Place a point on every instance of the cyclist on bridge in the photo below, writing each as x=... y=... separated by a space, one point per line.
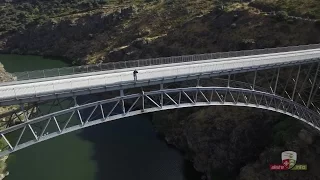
x=135 y=72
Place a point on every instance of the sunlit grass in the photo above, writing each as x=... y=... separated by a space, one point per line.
x=307 y=8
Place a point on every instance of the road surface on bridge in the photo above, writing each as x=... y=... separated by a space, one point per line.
x=14 y=91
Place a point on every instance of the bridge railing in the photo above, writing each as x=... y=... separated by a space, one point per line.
x=154 y=61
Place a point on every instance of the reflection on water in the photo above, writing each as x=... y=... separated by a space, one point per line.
x=129 y=149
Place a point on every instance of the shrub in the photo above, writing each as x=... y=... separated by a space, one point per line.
x=282 y=15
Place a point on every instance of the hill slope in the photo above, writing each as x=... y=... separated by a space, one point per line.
x=116 y=31
x=86 y=31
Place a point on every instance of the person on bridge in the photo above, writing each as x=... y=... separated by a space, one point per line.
x=135 y=72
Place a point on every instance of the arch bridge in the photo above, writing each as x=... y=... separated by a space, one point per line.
x=284 y=80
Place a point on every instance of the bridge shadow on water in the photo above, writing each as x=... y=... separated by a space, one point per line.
x=129 y=148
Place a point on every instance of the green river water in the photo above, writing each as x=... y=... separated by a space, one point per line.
x=126 y=149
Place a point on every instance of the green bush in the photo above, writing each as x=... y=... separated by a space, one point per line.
x=282 y=15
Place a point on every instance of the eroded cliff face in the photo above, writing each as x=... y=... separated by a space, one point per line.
x=239 y=143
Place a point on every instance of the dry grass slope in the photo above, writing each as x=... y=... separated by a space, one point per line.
x=305 y=8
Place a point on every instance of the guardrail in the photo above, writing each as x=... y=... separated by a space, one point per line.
x=154 y=61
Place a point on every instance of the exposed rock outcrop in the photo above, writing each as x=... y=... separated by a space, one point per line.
x=4 y=76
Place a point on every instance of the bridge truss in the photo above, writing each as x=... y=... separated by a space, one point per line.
x=290 y=89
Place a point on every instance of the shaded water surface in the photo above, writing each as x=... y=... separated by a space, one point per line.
x=120 y=150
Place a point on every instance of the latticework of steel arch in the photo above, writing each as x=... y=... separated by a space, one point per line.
x=290 y=90
x=147 y=102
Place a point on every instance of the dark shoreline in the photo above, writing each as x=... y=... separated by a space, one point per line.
x=47 y=57
x=189 y=171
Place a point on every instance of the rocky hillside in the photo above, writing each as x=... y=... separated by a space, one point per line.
x=239 y=143
x=88 y=36
x=306 y=8
x=228 y=143
x=117 y=31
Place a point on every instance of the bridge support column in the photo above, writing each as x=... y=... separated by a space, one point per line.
x=142 y=97
x=161 y=96
x=195 y=97
x=24 y=112
x=303 y=85
x=295 y=84
x=276 y=84
x=122 y=102
x=313 y=83
x=286 y=85
x=75 y=100
x=198 y=81
x=254 y=79
x=179 y=98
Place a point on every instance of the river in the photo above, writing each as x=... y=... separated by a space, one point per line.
x=124 y=149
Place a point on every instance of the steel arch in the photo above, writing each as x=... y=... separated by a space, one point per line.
x=167 y=99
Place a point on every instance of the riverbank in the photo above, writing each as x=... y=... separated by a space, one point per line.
x=4 y=77
x=177 y=28
x=239 y=143
x=128 y=145
x=236 y=143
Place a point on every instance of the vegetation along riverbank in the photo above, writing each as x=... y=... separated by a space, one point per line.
x=233 y=143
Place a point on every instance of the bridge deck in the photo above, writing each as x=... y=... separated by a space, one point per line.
x=33 y=89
